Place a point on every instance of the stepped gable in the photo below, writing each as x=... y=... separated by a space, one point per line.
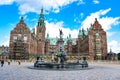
x=96 y=25
x=21 y=27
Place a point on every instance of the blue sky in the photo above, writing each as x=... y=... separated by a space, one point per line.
x=68 y=15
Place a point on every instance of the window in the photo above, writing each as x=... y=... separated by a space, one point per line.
x=19 y=36
x=14 y=38
x=25 y=38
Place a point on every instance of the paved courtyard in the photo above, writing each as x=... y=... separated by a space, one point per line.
x=101 y=71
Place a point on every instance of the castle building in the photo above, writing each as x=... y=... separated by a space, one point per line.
x=111 y=55
x=91 y=43
x=4 y=52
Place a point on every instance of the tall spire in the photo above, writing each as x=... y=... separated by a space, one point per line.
x=41 y=19
x=110 y=49
x=47 y=35
x=42 y=11
x=83 y=32
x=80 y=33
x=41 y=15
x=69 y=37
x=47 y=38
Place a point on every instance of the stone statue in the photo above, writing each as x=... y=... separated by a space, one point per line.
x=61 y=33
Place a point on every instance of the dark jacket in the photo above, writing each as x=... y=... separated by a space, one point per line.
x=2 y=61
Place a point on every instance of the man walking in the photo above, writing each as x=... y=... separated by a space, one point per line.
x=2 y=63
x=8 y=62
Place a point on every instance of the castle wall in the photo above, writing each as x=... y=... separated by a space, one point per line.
x=91 y=44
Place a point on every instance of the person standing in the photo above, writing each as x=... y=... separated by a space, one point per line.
x=2 y=63
x=19 y=62
x=8 y=62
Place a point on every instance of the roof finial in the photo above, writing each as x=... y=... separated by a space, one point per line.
x=91 y=24
x=95 y=19
x=110 y=49
x=42 y=10
x=21 y=20
x=70 y=36
x=47 y=35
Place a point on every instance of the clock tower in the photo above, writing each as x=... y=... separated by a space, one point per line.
x=41 y=27
x=40 y=34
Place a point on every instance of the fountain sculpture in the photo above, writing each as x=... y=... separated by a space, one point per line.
x=61 y=62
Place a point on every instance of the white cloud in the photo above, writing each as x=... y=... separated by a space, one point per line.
x=96 y=1
x=81 y=15
x=109 y=34
x=5 y=43
x=53 y=30
x=6 y=2
x=78 y=18
x=106 y=22
x=33 y=20
x=26 y=6
x=80 y=2
x=115 y=46
x=24 y=17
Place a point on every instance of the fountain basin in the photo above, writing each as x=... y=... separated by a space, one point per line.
x=57 y=66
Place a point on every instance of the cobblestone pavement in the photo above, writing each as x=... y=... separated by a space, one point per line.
x=97 y=72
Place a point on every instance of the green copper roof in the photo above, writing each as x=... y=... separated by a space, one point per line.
x=80 y=33
x=69 y=38
x=33 y=30
x=90 y=28
x=83 y=32
x=54 y=40
x=41 y=19
x=86 y=32
x=47 y=38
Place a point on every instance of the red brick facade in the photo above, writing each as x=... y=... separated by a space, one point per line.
x=94 y=45
x=91 y=43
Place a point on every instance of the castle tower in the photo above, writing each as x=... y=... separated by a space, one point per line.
x=97 y=41
x=69 y=43
x=41 y=27
x=41 y=34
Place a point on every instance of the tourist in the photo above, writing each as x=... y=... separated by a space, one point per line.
x=19 y=62
x=8 y=62
x=2 y=63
